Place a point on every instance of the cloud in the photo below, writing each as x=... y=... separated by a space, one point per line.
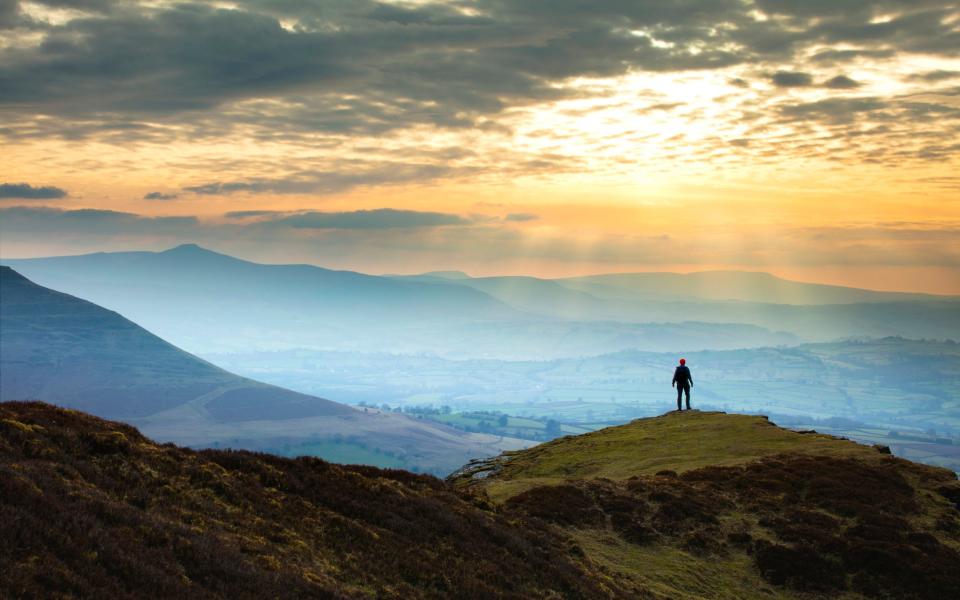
x=841 y=82
x=28 y=221
x=159 y=196
x=26 y=191
x=520 y=217
x=840 y=56
x=381 y=218
x=248 y=214
x=342 y=176
x=835 y=110
x=787 y=79
x=363 y=67
x=934 y=76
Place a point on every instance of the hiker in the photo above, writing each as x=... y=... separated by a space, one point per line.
x=683 y=381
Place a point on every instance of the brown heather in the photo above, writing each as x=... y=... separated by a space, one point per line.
x=90 y=508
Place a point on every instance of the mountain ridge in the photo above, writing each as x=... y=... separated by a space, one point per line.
x=210 y=303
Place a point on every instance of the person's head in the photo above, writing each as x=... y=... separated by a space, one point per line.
x=683 y=361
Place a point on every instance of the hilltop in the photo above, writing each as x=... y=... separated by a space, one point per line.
x=691 y=505
x=92 y=508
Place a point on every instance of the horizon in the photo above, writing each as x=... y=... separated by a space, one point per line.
x=545 y=139
x=475 y=276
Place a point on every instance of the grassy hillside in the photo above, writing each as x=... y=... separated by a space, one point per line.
x=91 y=508
x=675 y=442
x=709 y=505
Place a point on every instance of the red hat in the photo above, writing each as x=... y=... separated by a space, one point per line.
x=683 y=361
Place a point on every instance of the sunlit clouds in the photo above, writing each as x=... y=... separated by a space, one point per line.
x=769 y=135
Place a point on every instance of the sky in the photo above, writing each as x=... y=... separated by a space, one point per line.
x=817 y=140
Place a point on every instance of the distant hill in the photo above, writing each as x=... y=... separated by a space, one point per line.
x=205 y=300
x=744 y=286
x=811 y=312
x=681 y=506
x=208 y=302
x=709 y=505
x=76 y=354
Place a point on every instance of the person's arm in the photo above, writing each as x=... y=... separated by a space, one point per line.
x=674 y=382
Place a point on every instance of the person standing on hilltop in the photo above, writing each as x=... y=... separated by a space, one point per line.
x=683 y=381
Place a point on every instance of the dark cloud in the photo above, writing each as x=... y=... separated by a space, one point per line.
x=839 y=56
x=521 y=217
x=28 y=192
x=934 y=76
x=345 y=176
x=159 y=196
x=25 y=220
x=248 y=214
x=358 y=66
x=9 y=13
x=841 y=82
x=791 y=79
x=835 y=110
x=381 y=218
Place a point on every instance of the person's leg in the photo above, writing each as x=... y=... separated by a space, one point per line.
x=679 y=395
x=686 y=390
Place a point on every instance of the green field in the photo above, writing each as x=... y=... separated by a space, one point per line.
x=343 y=453
x=892 y=384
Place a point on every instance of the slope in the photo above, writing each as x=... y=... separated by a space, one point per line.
x=77 y=354
x=93 y=509
x=74 y=353
x=691 y=505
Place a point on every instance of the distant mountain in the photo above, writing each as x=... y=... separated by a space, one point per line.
x=710 y=505
x=812 y=312
x=65 y=350
x=693 y=505
x=743 y=286
x=210 y=303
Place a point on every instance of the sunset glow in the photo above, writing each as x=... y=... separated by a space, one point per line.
x=504 y=137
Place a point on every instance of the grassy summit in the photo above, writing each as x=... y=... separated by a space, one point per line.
x=710 y=505
x=675 y=441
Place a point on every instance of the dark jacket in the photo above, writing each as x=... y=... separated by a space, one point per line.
x=682 y=376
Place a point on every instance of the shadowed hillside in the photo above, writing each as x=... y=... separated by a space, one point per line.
x=61 y=349
x=730 y=506
x=91 y=508
x=77 y=354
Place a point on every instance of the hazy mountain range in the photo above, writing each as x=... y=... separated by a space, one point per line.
x=61 y=349
x=210 y=302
